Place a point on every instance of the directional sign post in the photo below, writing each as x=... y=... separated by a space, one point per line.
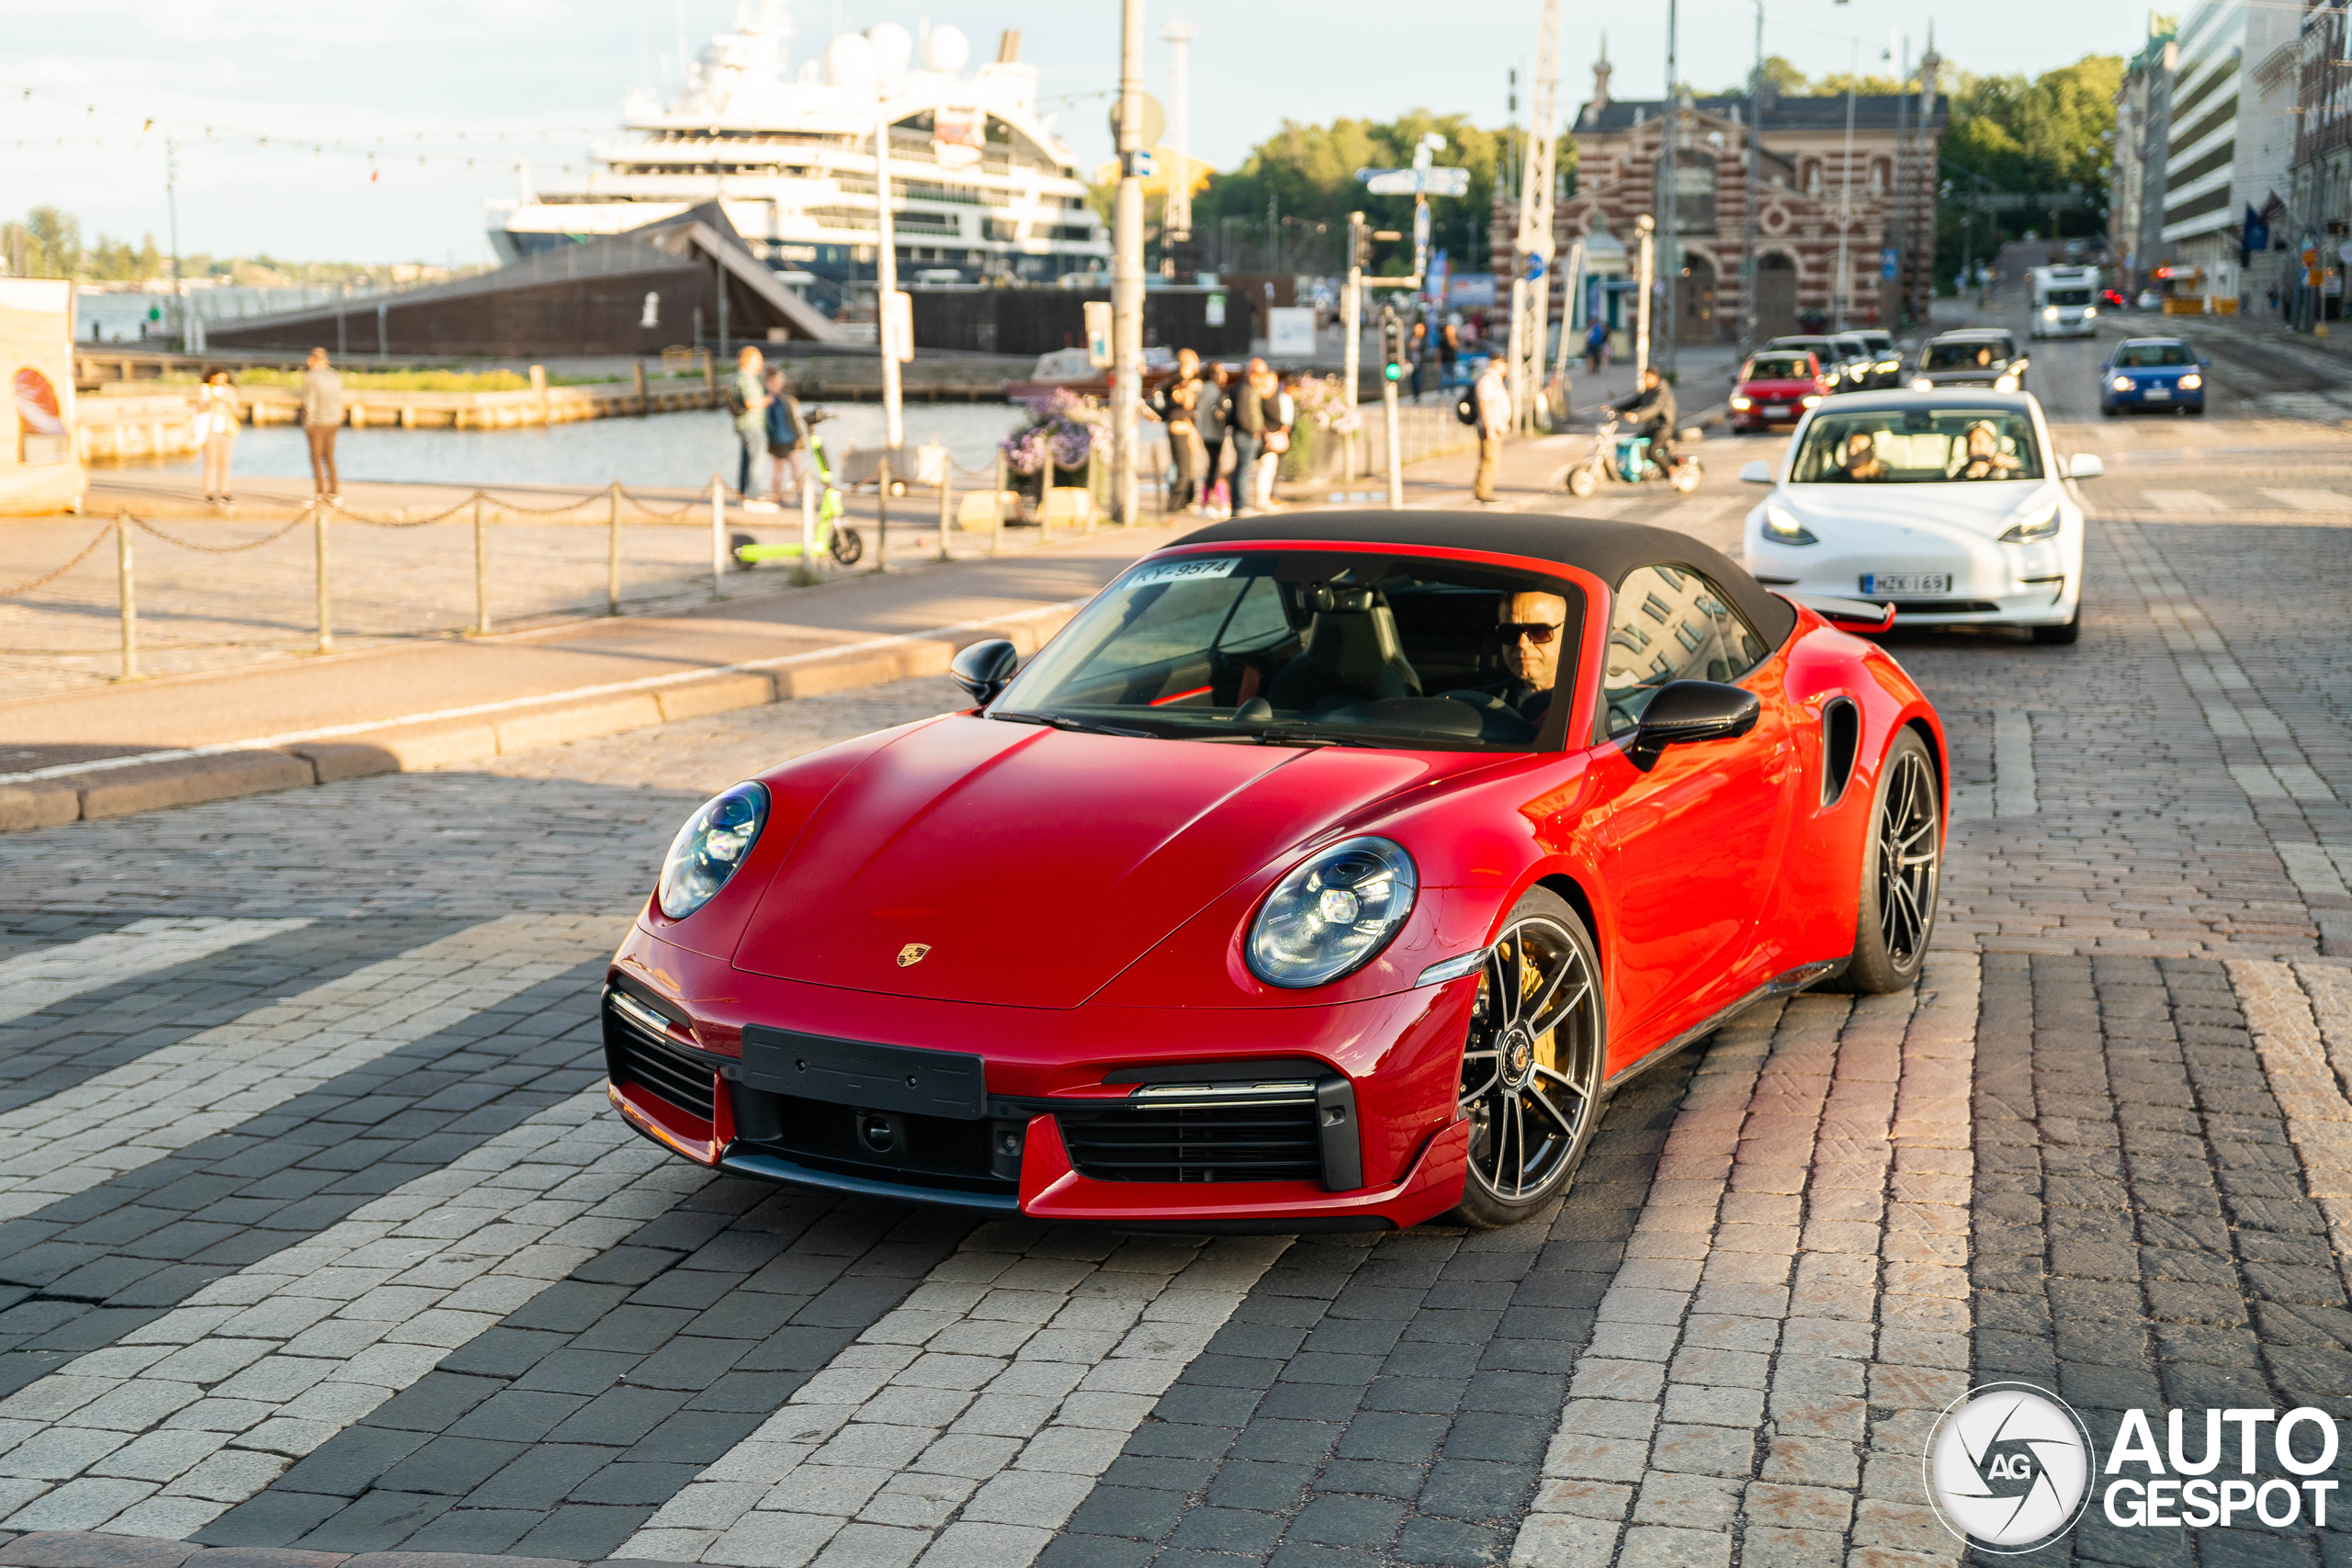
x=1416 y=182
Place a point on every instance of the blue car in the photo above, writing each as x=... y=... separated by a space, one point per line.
x=2153 y=373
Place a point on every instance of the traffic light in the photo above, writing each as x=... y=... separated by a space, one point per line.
x=1392 y=346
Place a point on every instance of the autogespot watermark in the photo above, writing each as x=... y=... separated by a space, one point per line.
x=2010 y=1468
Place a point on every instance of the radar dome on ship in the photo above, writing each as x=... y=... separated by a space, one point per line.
x=894 y=50
x=849 y=62
x=946 y=49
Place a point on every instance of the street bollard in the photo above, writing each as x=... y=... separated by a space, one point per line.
x=718 y=537
x=481 y=571
x=882 y=514
x=127 y=597
x=996 y=508
x=318 y=541
x=1093 y=479
x=808 y=528
x=613 y=548
x=947 y=499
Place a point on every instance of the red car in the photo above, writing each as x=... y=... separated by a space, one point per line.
x=1776 y=387
x=1323 y=873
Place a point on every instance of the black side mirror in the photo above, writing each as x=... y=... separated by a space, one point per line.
x=1691 y=711
x=984 y=669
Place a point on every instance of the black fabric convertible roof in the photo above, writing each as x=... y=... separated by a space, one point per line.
x=1607 y=550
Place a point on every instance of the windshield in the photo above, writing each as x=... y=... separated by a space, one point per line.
x=1799 y=345
x=1966 y=357
x=1301 y=646
x=2067 y=297
x=2146 y=356
x=1778 y=368
x=1919 y=446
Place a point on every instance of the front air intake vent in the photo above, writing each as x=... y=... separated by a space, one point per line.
x=1258 y=1138
x=1841 y=741
x=637 y=1059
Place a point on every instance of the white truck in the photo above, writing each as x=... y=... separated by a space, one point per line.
x=2065 y=300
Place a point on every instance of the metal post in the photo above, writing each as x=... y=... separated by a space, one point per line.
x=996 y=507
x=885 y=283
x=718 y=535
x=1753 y=194
x=637 y=371
x=481 y=571
x=1127 y=276
x=318 y=541
x=127 y=597
x=1351 y=318
x=1093 y=481
x=947 y=499
x=1841 y=294
x=612 y=550
x=882 y=514
x=1645 y=225
x=1669 y=265
x=1395 y=457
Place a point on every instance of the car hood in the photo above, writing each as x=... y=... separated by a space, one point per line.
x=1978 y=510
x=1031 y=864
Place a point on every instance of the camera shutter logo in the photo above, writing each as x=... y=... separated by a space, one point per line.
x=2008 y=1467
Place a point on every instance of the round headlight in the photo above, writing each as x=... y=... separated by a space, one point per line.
x=1332 y=913
x=709 y=848
x=1921 y=384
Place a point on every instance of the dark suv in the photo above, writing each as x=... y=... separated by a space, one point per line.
x=1971 y=356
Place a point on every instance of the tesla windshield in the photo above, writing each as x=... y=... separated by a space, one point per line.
x=2150 y=356
x=1919 y=446
x=1314 y=647
x=1976 y=356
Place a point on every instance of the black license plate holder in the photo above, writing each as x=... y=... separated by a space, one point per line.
x=873 y=1078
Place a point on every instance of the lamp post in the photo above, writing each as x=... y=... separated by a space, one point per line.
x=1127 y=267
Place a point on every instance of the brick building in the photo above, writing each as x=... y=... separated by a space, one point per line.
x=1884 y=196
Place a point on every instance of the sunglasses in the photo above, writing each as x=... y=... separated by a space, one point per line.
x=1537 y=632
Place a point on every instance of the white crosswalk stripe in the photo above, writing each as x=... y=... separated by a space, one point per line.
x=972 y=1419
x=2310 y=500
x=181 y=1420
x=2190 y=503
x=48 y=976
x=180 y=1094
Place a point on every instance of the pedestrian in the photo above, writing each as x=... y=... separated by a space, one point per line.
x=1596 y=345
x=1449 y=352
x=787 y=437
x=747 y=403
x=1177 y=402
x=1416 y=349
x=321 y=417
x=2274 y=299
x=1213 y=416
x=1249 y=435
x=1493 y=400
x=216 y=432
x=1281 y=411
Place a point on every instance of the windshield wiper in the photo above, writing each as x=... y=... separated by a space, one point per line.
x=1075 y=726
x=1280 y=735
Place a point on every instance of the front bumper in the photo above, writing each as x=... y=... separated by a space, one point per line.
x=2138 y=397
x=1344 y=1117
x=1991 y=584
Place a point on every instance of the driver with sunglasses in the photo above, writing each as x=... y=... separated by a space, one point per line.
x=1528 y=628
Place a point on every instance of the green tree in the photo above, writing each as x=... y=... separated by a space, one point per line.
x=2015 y=133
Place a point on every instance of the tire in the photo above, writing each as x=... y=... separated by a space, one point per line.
x=1533 y=1098
x=849 y=545
x=2108 y=409
x=2062 y=636
x=1583 y=480
x=1897 y=915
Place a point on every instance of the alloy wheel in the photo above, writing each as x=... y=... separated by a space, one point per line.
x=1531 y=1072
x=1909 y=851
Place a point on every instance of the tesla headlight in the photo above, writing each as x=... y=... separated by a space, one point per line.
x=2190 y=382
x=1332 y=913
x=1743 y=402
x=2121 y=383
x=1783 y=529
x=2033 y=532
x=1921 y=384
x=709 y=848
x=2005 y=384
x=2049 y=312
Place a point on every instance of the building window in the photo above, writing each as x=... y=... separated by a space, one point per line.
x=1694 y=194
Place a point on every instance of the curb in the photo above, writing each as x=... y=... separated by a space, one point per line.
x=90 y=792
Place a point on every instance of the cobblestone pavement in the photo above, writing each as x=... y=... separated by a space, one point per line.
x=313 y=1234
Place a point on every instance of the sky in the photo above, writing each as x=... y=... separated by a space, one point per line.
x=499 y=81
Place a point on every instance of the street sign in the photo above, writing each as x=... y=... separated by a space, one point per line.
x=1534 y=268
x=1415 y=182
x=1154 y=120
x=1142 y=165
x=1421 y=228
x=1887 y=260
x=1097 y=334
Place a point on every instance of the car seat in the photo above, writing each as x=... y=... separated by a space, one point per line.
x=1353 y=654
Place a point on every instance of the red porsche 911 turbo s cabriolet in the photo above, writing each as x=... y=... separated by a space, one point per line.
x=1325 y=872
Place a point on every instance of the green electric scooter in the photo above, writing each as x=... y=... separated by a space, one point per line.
x=844 y=543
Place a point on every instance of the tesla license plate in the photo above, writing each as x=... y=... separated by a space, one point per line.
x=1901 y=582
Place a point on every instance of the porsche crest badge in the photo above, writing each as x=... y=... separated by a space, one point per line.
x=914 y=952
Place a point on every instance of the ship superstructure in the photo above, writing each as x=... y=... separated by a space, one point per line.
x=981 y=187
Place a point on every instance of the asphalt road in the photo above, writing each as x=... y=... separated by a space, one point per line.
x=315 y=1233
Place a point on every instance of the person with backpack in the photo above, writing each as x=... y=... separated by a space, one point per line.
x=787 y=435
x=747 y=405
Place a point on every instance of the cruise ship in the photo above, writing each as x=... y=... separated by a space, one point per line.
x=981 y=188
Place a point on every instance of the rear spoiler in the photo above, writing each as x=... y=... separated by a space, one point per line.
x=1847 y=615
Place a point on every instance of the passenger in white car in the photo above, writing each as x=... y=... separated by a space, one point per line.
x=1983 y=459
